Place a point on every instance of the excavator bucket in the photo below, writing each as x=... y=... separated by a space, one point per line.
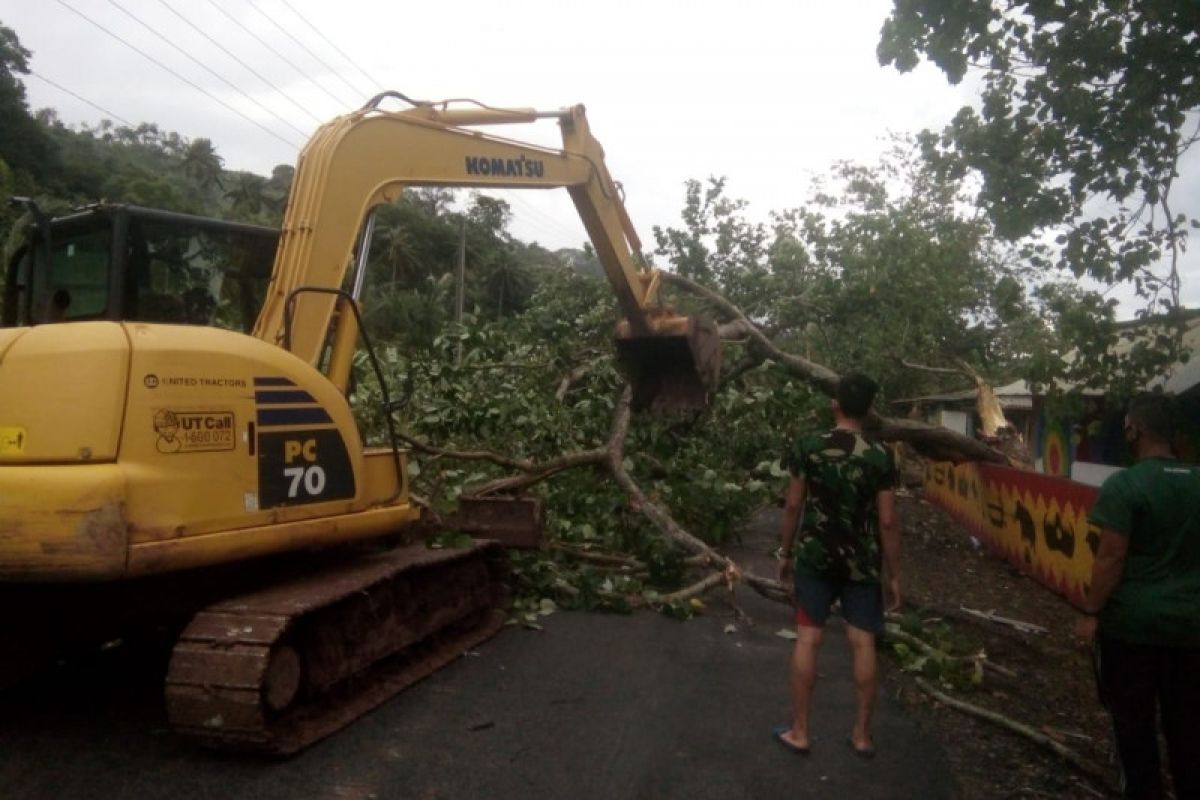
x=672 y=367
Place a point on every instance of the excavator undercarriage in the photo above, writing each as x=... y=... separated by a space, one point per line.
x=277 y=669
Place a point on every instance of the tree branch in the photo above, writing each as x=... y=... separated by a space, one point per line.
x=523 y=465
x=1087 y=767
x=603 y=559
x=932 y=440
x=540 y=472
x=700 y=587
x=821 y=376
x=574 y=375
x=752 y=361
x=894 y=631
x=925 y=368
x=610 y=457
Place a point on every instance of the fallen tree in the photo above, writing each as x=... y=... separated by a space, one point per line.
x=610 y=457
x=931 y=440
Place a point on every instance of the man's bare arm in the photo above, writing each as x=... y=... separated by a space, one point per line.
x=1106 y=570
x=793 y=507
x=889 y=540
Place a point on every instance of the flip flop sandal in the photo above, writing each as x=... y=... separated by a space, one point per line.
x=777 y=735
x=863 y=752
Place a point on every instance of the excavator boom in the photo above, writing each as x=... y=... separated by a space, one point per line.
x=366 y=158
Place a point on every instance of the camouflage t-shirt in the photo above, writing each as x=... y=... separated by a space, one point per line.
x=839 y=528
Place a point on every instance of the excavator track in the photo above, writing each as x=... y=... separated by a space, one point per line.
x=275 y=670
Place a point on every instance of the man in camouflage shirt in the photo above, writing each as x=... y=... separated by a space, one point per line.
x=842 y=496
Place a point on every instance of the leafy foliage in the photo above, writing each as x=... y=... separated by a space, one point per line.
x=945 y=658
x=24 y=147
x=500 y=395
x=879 y=264
x=885 y=263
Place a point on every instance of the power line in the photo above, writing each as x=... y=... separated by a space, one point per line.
x=371 y=81
x=163 y=66
x=556 y=227
x=251 y=69
x=278 y=54
x=205 y=67
x=303 y=46
x=82 y=99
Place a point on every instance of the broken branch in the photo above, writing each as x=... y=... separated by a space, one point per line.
x=930 y=438
x=896 y=632
x=700 y=587
x=574 y=375
x=991 y=616
x=607 y=559
x=1087 y=767
x=924 y=368
x=540 y=472
x=523 y=465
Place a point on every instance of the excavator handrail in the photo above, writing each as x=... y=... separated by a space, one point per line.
x=393 y=437
x=517 y=114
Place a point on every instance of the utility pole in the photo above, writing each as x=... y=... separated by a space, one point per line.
x=460 y=289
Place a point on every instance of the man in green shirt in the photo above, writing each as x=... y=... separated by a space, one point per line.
x=842 y=486
x=1143 y=605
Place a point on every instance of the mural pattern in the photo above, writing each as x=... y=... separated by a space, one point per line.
x=1036 y=522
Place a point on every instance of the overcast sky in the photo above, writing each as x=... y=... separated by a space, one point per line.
x=767 y=94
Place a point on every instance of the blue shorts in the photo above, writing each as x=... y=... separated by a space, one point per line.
x=862 y=603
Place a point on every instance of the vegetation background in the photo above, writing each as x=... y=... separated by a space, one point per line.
x=961 y=246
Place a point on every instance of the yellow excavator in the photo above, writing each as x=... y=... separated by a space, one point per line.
x=175 y=434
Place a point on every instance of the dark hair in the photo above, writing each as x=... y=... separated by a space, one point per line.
x=855 y=393
x=1155 y=414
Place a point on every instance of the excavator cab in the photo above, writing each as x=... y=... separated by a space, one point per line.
x=128 y=263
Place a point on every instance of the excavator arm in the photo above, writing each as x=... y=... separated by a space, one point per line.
x=366 y=158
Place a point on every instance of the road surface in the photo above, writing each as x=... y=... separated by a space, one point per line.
x=593 y=706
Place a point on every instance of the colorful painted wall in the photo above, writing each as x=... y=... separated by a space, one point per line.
x=1096 y=435
x=1036 y=522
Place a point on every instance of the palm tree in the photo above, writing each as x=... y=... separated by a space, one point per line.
x=248 y=194
x=202 y=164
x=508 y=284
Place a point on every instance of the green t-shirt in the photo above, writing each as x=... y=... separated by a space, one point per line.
x=1156 y=503
x=839 y=531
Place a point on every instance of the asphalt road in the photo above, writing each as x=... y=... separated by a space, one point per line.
x=593 y=706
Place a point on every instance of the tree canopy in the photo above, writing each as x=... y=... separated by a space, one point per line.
x=880 y=264
x=929 y=255
x=1086 y=110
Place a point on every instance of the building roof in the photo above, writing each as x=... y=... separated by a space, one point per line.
x=1015 y=395
x=1181 y=378
x=1184 y=377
